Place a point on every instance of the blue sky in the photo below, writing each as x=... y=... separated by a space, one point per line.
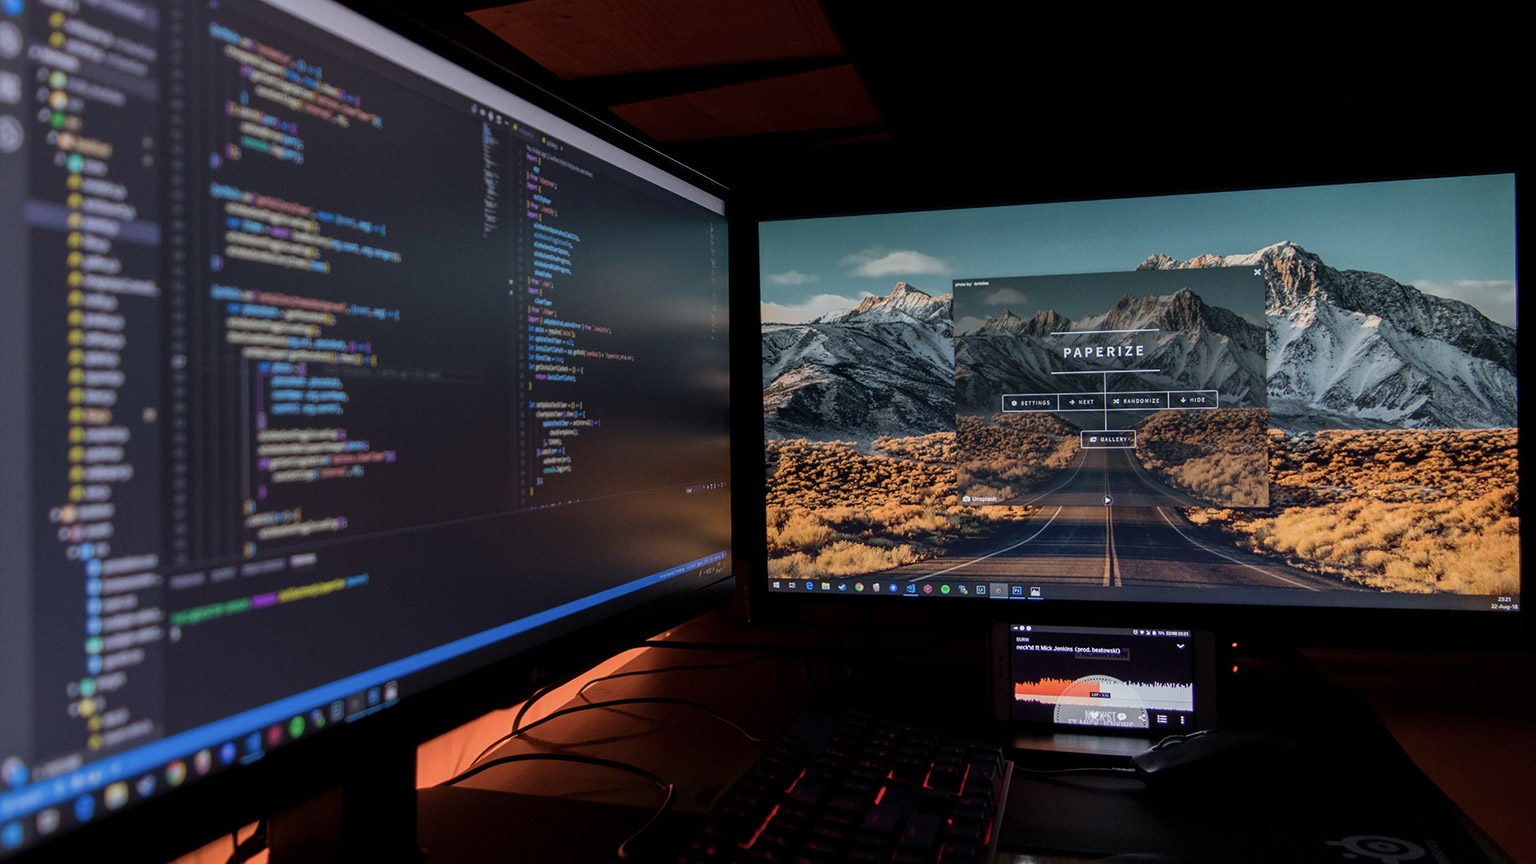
x=1452 y=237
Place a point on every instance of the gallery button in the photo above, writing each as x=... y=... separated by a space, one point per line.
x=1109 y=439
x=1029 y=402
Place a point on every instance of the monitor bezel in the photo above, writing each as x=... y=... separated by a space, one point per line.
x=496 y=676
x=867 y=189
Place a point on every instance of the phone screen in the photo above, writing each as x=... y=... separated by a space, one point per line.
x=1101 y=678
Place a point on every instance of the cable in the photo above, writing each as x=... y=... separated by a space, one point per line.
x=623 y=850
x=246 y=849
x=687 y=646
x=611 y=703
x=1062 y=774
x=643 y=700
x=659 y=670
x=1103 y=769
x=522 y=710
x=765 y=651
x=787 y=654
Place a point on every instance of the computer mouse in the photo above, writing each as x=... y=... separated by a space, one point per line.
x=1218 y=755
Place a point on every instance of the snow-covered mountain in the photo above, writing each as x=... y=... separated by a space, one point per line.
x=1196 y=347
x=1355 y=349
x=884 y=367
x=1343 y=349
x=904 y=305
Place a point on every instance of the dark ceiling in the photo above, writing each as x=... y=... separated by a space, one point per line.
x=804 y=106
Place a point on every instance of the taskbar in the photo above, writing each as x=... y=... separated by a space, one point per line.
x=1023 y=589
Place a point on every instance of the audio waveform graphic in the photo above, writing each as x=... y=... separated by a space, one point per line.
x=1102 y=690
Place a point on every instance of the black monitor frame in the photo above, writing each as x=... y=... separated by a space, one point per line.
x=381 y=748
x=853 y=184
x=372 y=760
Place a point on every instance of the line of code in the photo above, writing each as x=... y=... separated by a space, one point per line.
x=558 y=349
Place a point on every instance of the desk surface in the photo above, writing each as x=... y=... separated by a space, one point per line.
x=1468 y=720
x=762 y=690
x=1477 y=747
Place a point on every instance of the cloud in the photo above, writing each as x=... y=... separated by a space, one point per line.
x=1492 y=297
x=1006 y=296
x=791 y=277
x=904 y=262
x=968 y=324
x=814 y=307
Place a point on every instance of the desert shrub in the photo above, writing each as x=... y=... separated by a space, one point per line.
x=802 y=532
x=833 y=510
x=1221 y=456
x=831 y=473
x=1234 y=479
x=792 y=566
x=845 y=558
x=1392 y=465
x=1011 y=454
x=1439 y=514
x=841 y=559
x=934 y=447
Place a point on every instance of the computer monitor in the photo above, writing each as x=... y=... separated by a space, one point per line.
x=1272 y=405
x=336 y=373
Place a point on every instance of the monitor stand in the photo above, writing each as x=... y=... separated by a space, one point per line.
x=370 y=817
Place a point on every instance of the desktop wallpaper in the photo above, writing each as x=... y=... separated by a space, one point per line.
x=1362 y=339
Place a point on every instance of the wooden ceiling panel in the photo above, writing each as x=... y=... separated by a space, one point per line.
x=593 y=38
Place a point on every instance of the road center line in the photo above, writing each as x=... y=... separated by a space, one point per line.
x=1109 y=548
x=1109 y=532
x=1114 y=554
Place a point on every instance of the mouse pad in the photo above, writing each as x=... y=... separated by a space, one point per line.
x=1357 y=802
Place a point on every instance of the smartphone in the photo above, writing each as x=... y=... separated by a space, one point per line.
x=1146 y=681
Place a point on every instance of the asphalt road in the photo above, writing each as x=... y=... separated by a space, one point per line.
x=1108 y=523
x=1114 y=473
x=1115 y=546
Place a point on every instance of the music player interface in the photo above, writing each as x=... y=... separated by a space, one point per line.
x=1109 y=678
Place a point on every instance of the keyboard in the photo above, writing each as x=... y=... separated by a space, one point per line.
x=863 y=789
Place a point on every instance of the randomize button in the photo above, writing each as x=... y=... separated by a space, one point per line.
x=1138 y=401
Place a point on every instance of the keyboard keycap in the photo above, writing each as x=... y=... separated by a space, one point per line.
x=859 y=790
